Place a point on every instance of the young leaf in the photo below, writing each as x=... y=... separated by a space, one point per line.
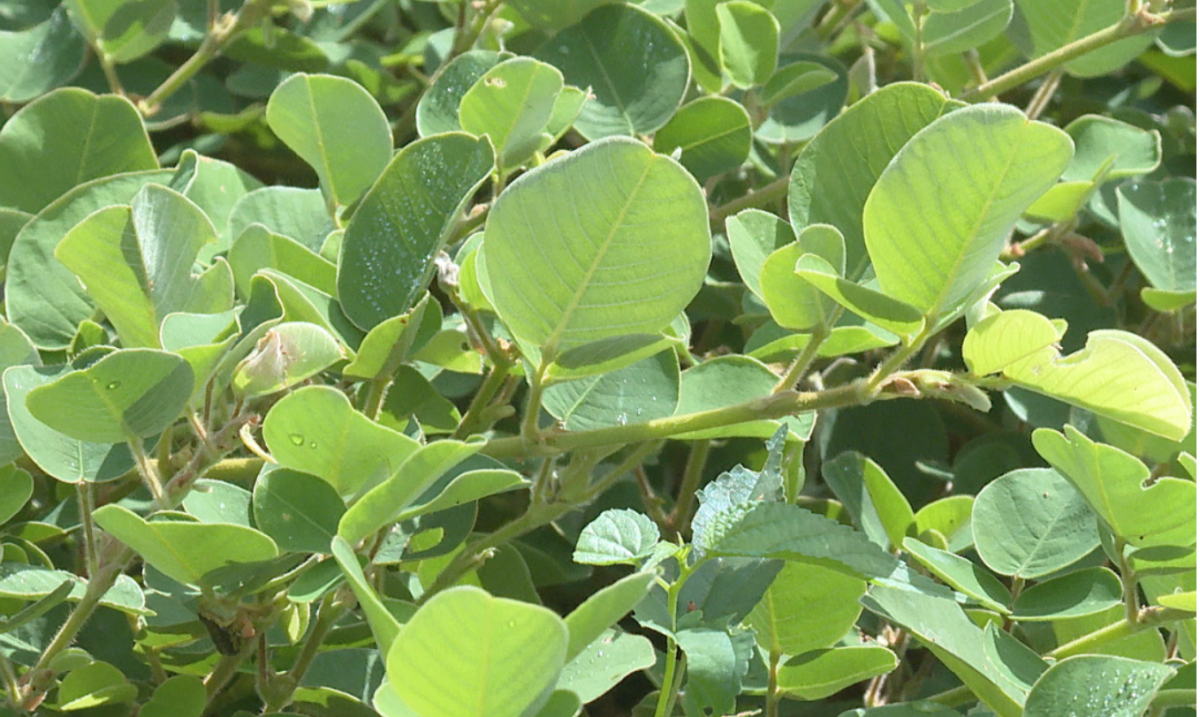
x=615 y=537
x=1113 y=483
x=794 y=302
x=65 y=139
x=136 y=263
x=817 y=675
x=882 y=310
x=183 y=551
x=404 y=221
x=1030 y=522
x=933 y=225
x=748 y=48
x=468 y=654
x=336 y=127
x=1007 y=337
x=635 y=66
x=608 y=241
x=512 y=103
x=395 y=340
x=1096 y=686
x=287 y=354
x=829 y=188
x=317 y=430
x=127 y=395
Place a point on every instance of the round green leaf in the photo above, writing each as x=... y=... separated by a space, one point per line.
x=216 y=501
x=121 y=30
x=468 y=654
x=67 y=459
x=748 y=45
x=936 y=220
x=609 y=240
x=317 y=430
x=1113 y=483
x=299 y=511
x=336 y=127
x=1083 y=592
x=635 y=66
x=605 y=662
x=879 y=309
x=512 y=104
x=136 y=263
x=1096 y=686
x=817 y=675
x=1158 y=220
x=259 y=248
x=753 y=236
x=554 y=15
x=1007 y=337
x=808 y=607
x=404 y=221
x=712 y=135
x=179 y=696
x=829 y=187
x=1031 y=522
x=37 y=60
x=1052 y=25
x=1099 y=141
x=93 y=685
x=128 y=394
x=948 y=32
x=185 y=552
x=437 y=110
x=16 y=487
x=298 y=214
x=643 y=391
x=66 y=138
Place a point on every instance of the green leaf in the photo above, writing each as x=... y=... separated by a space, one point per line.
x=609 y=240
x=962 y=575
x=136 y=263
x=94 y=685
x=605 y=662
x=384 y=626
x=553 y=15
x=120 y=30
x=949 y=32
x=286 y=355
x=1083 y=592
x=64 y=139
x=462 y=484
x=1167 y=301
x=1008 y=337
x=214 y=501
x=67 y=459
x=951 y=517
x=986 y=162
x=468 y=654
x=817 y=675
x=404 y=221
x=644 y=391
x=795 y=303
x=318 y=431
x=512 y=104
x=178 y=696
x=298 y=214
x=635 y=66
x=593 y=618
x=712 y=135
x=880 y=509
x=336 y=127
x=16 y=487
x=808 y=607
x=994 y=665
x=1113 y=483
x=413 y=396
x=795 y=79
x=128 y=394
x=748 y=48
x=185 y=552
x=609 y=355
x=801 y=116
x=727 y=381
x=273 y=46
x=1158 y=221
x=1030 y=522
x=36 y=60
x=216 y=187
x=1097 y=686
x=616 y=537
x=299 y=511
x=753 y=236
x=1114 y=147
x=883 y=311
x=437 y=110
x=395 y=340
x=829 y=187
x=259 y=248
x=382 y=503
x=717 y=660
x=1051 y=27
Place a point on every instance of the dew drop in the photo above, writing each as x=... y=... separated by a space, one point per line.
x=622 y=418
x=312 y=444
x=296 y=439
x=113 y=385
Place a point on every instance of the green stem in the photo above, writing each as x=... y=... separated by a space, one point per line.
x=680 y=518
x=773 y=693
x=1045 y=93
x=833 y=19
x=919 y=40
x=149 y=473
x=670 y=684
x=1093 y=641
x=86 y=496
x=895 y=361
x=533 y=406
x=804 y=359
x=1174 y=698
x=1129 y=595
x=328 y=613
x=481 y=401
x=777 y=405
x=1129 y=26
x=110 y=72
x=11 y=685
x=765 y=194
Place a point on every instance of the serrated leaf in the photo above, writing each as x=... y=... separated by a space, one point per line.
x=989 y=163
x=468 y=654
x=185 y=552
x=1113 y=483
x=615 y=537
x=404 y=221
x=336 y=127
x=607 y=241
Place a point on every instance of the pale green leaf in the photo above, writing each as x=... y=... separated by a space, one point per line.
x=712 y=135
x=1097 y=686
x=594 y=616
x=879 y=309
x=299 y=511
x=512 y=104
x=1052 y=25
x=748 y=45
x=808 y=607
x=287 y=354
x=961 y=574
x=817 y=675
x=121 y=30
x=1082 y=592
x=616 y=536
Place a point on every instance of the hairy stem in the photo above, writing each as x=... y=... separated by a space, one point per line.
x=680 y=518
x=804 y=359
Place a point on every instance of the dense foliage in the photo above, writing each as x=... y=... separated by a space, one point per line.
x=534 y=358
